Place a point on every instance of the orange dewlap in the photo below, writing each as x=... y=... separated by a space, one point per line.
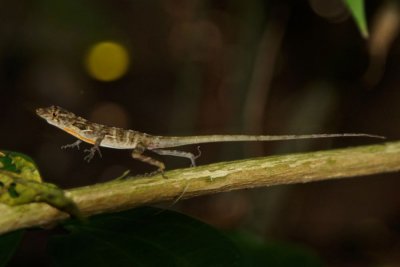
x=77 y=135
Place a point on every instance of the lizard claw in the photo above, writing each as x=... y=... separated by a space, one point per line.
x=198 y=153
x=194 y=157
x=75 y=144
x=89 y=156
x=153 y=173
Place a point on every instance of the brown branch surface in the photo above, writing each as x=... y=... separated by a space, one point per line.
x=219 y=177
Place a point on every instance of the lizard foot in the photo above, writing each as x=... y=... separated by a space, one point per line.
x=154 y=173
x=75 y=144
x=91 y=153
x=194 y=157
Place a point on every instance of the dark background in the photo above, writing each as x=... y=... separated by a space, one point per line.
x=207 y=67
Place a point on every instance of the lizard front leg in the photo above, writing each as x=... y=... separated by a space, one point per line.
x=137 y=153
x=95 y=148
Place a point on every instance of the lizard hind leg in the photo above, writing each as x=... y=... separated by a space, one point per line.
x=178 y=153
x=138 y=154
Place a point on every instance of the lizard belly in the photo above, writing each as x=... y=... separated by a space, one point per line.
x=116 y=145
x=79 y=136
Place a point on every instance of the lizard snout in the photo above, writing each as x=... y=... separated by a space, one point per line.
x=40 y=112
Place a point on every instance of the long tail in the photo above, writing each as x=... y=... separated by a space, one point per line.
x=174 y=141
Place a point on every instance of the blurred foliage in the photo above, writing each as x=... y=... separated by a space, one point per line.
x=145 y=237
x=358 y=12
x=8 y=244
x=155 y=237
x=257 y=252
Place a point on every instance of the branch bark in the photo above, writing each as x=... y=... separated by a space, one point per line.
x=220 y=177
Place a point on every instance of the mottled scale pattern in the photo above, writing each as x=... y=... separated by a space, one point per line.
x=121 y=138
x=128 y=139
x=90 y=132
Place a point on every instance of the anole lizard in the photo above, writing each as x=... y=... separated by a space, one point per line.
x=104 y=136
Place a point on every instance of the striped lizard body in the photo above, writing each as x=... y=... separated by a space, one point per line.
x=104 y=136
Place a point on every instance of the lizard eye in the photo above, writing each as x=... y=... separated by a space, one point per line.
x=54 y=114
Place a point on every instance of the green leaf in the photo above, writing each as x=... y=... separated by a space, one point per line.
x=20 y=183
x=260 y=253
x=357 y=10
x=19 y=163
x=143 y=237
x=8 y=244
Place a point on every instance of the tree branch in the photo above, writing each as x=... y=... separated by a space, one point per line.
x=220 y=177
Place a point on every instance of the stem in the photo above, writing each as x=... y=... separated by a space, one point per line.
x=220 y=177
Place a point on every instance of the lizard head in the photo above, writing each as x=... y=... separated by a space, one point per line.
x=56 y=116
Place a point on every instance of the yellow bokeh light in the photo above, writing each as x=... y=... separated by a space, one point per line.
x=107 y=61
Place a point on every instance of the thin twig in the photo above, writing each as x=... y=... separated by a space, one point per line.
x=219 y=177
